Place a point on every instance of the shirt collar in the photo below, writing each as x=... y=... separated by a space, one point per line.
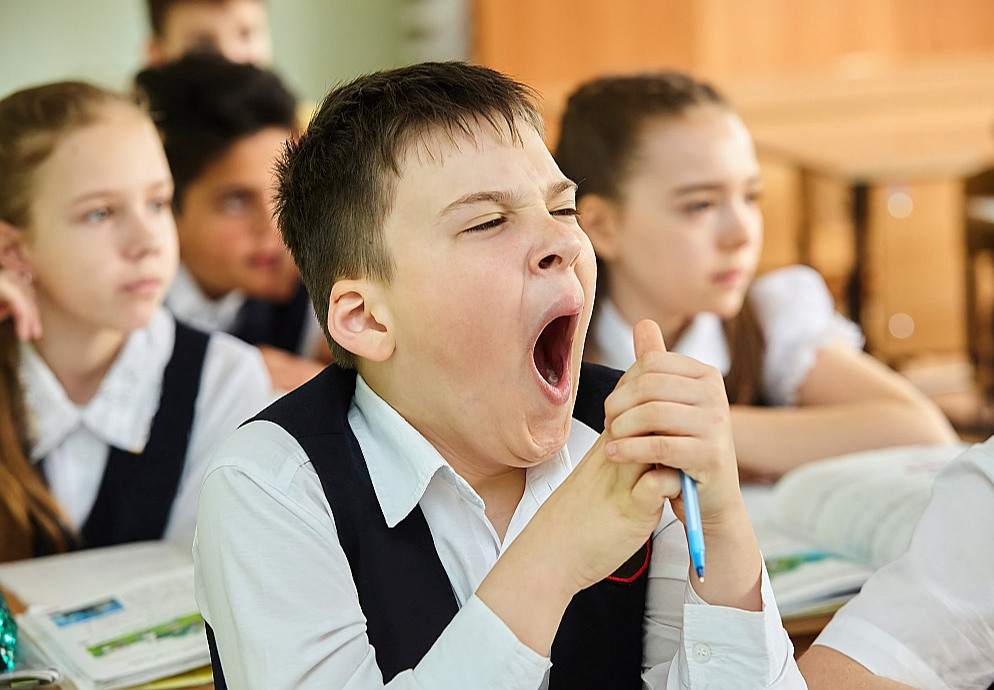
x=704 y=339
x=402 y=462
x=121 y=412
x=191 y=305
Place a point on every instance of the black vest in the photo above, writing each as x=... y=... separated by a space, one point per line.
x=137 y=490
x=404 y=591
x=260 y=322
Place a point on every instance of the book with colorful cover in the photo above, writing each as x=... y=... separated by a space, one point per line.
x=120 y=617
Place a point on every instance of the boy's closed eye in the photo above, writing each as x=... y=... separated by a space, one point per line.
x=488 y=225
x=500 y=220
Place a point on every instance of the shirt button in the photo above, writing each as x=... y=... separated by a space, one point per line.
x=702 y=653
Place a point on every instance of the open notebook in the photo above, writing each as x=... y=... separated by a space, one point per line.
x=826 y=526
x=117 y=617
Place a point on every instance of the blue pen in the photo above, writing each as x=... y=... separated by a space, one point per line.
x=692 y=515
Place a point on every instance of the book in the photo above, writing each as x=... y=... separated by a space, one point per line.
x=826 y=526
x=111 y=618
x=865 y=505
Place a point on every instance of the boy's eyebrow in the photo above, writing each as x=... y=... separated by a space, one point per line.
x=712 y=186
x=504 y=198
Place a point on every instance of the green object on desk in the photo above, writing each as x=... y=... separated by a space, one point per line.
x=8 y=637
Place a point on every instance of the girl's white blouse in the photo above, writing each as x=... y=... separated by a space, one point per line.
x=74 y=439
x=795 y=311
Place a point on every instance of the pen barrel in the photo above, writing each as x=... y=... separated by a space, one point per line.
x=692 y=520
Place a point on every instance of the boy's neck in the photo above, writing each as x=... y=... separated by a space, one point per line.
x=500 y=486
x=501 y=495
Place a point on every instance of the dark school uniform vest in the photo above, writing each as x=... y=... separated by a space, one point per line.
x=137 y=489
x=260 y=322
x=404 y=592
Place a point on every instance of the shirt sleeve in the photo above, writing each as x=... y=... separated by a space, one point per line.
x=797 y=314
x=275 y=585
x=234 y=387
x=691 y=644
x=927 y=618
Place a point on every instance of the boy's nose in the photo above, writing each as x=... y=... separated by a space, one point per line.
x=559 y=246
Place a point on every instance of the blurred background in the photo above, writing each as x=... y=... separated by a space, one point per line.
x=874 y=121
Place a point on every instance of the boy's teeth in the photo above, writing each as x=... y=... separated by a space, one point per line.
x=551 y=376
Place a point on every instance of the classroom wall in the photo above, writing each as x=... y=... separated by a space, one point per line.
x=316 y=43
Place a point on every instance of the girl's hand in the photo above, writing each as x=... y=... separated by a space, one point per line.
x=17 y=301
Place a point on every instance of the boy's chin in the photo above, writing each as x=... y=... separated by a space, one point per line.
x=547 y=442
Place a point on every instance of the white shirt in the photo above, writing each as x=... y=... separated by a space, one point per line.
x=795 y=311
x=75 y=439
x=188 y=302
x=927 y=619
x=274 y=583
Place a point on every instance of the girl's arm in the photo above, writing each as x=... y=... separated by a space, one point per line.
x=826 y=669
x=849 y=401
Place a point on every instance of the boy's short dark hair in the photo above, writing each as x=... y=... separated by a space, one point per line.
x=604 y=120
x=204 y=104
x=336 y=184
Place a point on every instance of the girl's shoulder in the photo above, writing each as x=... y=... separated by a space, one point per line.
x=792 y=301
x=234 y=369
x=789 y=286
x=232 y=372
x=797 y=315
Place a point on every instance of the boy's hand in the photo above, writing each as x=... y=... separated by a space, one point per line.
x=17 y=301
x=668 y=412
x=612 y=507
x=672 y=410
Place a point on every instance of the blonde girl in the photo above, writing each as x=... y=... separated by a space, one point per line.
x=110 y=408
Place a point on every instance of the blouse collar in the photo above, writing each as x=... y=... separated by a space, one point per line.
x=121 y=412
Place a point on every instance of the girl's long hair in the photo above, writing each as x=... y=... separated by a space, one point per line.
x=32 y=122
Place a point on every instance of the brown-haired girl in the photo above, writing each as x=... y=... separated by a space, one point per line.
x=110 y=408
x=668 y=194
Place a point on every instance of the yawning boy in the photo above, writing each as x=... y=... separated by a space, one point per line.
x=419 y=514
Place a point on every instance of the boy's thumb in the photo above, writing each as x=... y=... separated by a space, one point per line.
x=648 y=338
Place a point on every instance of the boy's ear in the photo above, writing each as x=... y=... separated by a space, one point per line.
x=359 y=321
x=12 y=249
x=599 y=219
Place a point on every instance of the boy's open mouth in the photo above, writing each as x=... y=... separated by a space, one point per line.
x=552 y=349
